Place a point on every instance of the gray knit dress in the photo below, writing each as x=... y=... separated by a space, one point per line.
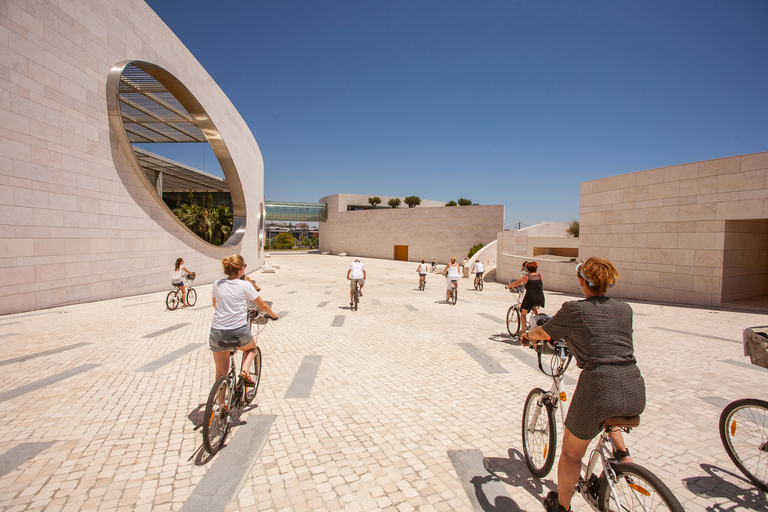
x=598 y=332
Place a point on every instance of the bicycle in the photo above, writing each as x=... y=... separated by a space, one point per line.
x=229 y=393
x=622 y=486
x=355 y=295
x=454 y=293
x=479 y=284
x=744 y=424
x=174 y=297
x=513 y=313
x=422 y=282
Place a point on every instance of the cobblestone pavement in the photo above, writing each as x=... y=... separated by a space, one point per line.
x=394 y=395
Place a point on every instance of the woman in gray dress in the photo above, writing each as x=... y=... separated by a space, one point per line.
x=598 y=332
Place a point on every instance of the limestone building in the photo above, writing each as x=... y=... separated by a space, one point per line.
x=80 y=219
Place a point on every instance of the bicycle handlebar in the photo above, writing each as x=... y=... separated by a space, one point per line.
x=561 y=356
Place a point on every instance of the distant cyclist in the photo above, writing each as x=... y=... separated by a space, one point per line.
x=477 y=268
x=356 y=273
x=434 y=265
x=422 y=270
x=452 y=277
x=177 y=279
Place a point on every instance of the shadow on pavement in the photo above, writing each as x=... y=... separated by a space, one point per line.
x=728 y=489
x=505 y=338
x=196 y=416
x=500 y=503
x=514 y=472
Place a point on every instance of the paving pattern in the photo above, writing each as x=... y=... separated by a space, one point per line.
x=392 y=407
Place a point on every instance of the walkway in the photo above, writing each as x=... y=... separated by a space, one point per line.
x=395 y=407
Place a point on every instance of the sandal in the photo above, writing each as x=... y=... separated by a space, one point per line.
x=247 y=380
x=552 y=503
x=620 y=455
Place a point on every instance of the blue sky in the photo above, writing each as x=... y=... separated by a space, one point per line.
x=512 y=103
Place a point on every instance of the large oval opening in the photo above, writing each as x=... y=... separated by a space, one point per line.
x=176 y=150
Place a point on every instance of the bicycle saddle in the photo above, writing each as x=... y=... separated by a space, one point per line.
x=622 y=421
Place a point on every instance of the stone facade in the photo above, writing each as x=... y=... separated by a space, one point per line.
x=431 y=230
x=76 y=222
x=689 y=234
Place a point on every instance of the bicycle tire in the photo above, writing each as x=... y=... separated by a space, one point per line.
x=171 y=300
x=476 y=285
x=355 y=299
x=255 y=372
x=638 y=489
x=539 y=434
x=480 y=284
x=513 y=318
x=454 y=296
x=216 y=423
x=191 y=296
x=748 y=418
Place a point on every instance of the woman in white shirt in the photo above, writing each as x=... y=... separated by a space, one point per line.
x=230 y=316
x=452 y=276
x=177 y=279
x=422 y=270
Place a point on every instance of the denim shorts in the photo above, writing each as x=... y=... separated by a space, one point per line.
x=241 y=334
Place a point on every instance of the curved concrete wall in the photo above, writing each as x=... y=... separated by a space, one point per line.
x=76 y=222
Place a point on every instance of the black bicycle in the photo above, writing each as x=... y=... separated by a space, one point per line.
x=229 y=393
x=479 y=283
x=356 y=295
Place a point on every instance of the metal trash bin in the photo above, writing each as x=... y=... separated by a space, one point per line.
x=756 y=345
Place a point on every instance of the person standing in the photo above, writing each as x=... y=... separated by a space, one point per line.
x=356 y=273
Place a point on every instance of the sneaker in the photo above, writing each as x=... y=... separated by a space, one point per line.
x=350 y=304
x=551 y=503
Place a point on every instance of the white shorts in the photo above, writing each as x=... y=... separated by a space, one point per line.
x=449 y=280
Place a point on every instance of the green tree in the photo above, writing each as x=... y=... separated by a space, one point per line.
x=375 y=200
x=573 y=228
x=282 y=241
x=474 y=250
x=465 y=202
x=394 y=202
x=451 y=203
x=412 y=201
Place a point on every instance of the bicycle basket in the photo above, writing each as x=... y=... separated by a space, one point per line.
x=756 y=345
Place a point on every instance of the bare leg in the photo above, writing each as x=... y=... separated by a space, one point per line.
x=569 y=467
x=524 y=320
x=618 y=443
x=222 y=362
x=249 y=353
x=184 y=295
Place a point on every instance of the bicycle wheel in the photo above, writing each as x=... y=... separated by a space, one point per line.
x=744 y=432
x=476 y=285
x=539 y=434
x=355 y=299
x=217 y=412
x=480 y=284
x=191 y=296
x=454 y=295
x=636 y=488
x=513 y=321
x=255 y=372
x=172 y=300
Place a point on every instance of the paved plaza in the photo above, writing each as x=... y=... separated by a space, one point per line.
x=415 y=404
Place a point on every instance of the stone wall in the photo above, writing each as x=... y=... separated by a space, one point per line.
x=76 y=222
x=689 y=234
x=429 y=232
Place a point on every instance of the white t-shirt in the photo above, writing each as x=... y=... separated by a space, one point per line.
x=423 y=268
x=478 y=267
x=453 y=271
x=231 y=311
x=176 y=276
x=357 y=269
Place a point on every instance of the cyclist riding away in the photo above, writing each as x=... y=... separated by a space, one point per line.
x=452 y=276
x=422 y=270
x=434 y=265
x=598 y=332
x=534 y=290
x=356 y=273
x=230 y=304
x=177 y=279
x=477 y=268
